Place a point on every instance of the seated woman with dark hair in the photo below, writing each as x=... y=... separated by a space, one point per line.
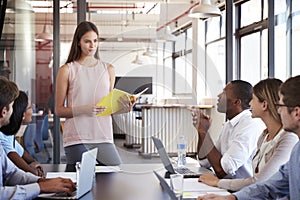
x=22 y=113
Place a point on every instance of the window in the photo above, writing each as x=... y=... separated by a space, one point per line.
x=250 y=58
x=250 y=53
x=252 y=38
x=189 y=39
x=280 y=59
x=215 y=56
x=223 y=24
x=215 y=70
x=279 y=7
x=168 y=68
x=295 y=38
x=250 y=12
x=183 y=63
x=213 y=28
x=180 y=42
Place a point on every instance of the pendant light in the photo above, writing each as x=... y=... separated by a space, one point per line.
x=149 y=52
x=166 y=35
x=44 y=35
x=204 y=10
x=138 y=60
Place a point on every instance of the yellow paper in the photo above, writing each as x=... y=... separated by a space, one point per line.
x=112 y=101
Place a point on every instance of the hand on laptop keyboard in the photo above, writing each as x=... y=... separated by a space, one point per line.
x=64 y=194
x=61 y=194
x=56 y=185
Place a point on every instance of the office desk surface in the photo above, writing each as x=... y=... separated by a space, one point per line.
x=136 y=181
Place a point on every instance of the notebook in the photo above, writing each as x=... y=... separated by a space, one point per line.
x=186 y=172
x=85 y=181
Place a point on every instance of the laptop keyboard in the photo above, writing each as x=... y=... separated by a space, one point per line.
x=64 y=195
x=184 y=171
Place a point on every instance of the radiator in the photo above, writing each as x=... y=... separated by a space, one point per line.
x=130 y=125
x=163 y=122
x=167 y=123
x=133 y=130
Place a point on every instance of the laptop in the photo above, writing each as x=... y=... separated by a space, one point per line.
x=84 y=181
x=167 y=188
x=186 y=172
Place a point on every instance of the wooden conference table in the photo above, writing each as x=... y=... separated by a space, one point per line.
x=134 y=182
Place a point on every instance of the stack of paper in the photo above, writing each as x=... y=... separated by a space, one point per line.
x=192 y=188
x=107 y=169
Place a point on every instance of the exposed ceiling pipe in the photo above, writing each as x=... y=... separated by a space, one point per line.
x=151 y=8
x=178 y=17
x=134 y=6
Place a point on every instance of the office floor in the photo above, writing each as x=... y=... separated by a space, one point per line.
x=128 y=155
x=131 y=155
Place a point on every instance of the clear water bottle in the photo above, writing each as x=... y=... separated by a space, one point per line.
x=181 y=151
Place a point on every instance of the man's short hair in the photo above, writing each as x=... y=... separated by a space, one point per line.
x=243 y=91
x=290 y=92
x=16 y=118
x=8 y=93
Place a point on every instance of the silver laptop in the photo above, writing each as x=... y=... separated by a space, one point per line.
x=84 y=181
x=186 y=172
x=167 y=188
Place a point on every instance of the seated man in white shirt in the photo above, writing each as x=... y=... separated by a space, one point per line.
x=231 y=155
x=15 y=183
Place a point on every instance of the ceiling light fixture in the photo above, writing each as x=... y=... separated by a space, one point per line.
x=44 y=35
x=205 y=10
x=166 y=35
x=137 y=60
x=149 y=52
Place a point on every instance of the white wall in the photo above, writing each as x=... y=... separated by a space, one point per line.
x=122 y=61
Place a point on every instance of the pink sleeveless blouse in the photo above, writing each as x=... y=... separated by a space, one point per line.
x=87 y=85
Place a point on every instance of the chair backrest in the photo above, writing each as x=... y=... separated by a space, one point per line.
x=45 y=128
x=39 y=137
x=29 y=139
x=33 y=143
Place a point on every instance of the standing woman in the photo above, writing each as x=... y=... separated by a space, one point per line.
x=274 y=145
x=82 y=82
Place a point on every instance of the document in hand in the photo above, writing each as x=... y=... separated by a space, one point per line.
x=112 y=101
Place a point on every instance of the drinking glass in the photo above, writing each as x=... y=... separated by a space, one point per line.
x=176 y=182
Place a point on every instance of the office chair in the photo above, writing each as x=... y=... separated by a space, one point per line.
x=29 y=139
x=39 y=137
x=45 y=128
x=41 y=151
x=45 y=131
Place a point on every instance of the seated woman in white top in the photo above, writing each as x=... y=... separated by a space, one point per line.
x=274 y=144
x=22 y=112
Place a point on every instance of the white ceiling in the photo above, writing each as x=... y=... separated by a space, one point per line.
x=132 y=19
